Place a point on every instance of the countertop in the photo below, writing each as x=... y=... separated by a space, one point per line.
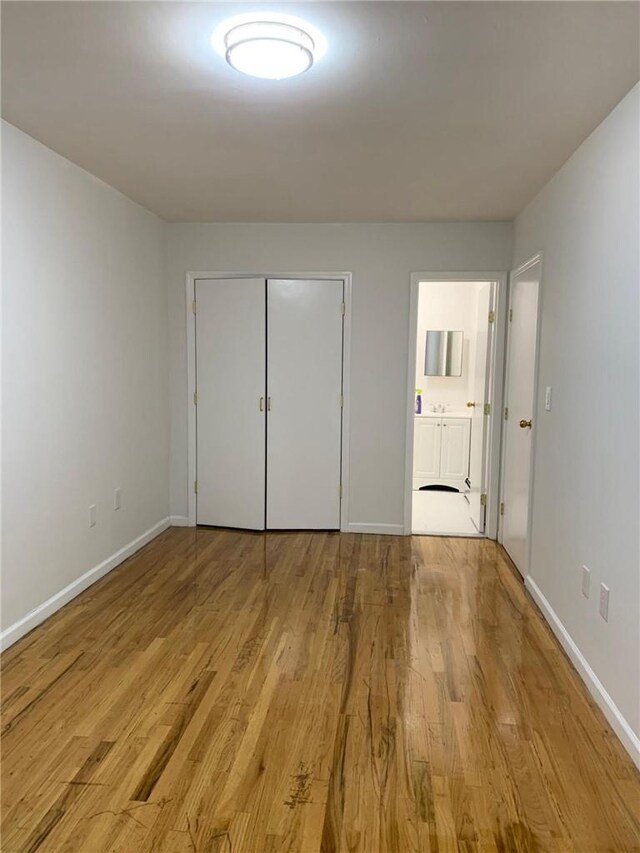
x=462 y=413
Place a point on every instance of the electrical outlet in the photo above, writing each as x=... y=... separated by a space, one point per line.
x=116 y=498
x=547 y=398
x=93 y=515
x=586 y=581
x=604 y=601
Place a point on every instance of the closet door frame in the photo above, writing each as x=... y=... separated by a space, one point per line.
x=191 y=278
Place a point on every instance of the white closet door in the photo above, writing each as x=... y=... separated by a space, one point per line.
x=304 y=387
x=231 y=410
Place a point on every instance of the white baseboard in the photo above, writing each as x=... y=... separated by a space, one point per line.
x=620 y=726
x=47 y=608
x=386 y=529
x=179 y=521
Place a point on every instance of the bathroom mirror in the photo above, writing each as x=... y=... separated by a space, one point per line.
x=443 y=353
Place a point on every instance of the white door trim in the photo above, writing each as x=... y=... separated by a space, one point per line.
x=496 y=373
x=537 y=258
x=191 y=278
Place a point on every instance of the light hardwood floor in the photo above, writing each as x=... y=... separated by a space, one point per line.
x=229 y=691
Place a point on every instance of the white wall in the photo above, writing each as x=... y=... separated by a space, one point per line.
x=453 y=306
x=381 y=258
x=586 y=503
x=85 y=405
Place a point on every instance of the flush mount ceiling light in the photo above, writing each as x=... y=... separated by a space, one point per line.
x=270 y=46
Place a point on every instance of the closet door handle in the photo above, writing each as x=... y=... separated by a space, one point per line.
x=268 y=404
x=262 y=404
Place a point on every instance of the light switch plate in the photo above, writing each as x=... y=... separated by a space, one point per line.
x=586 y=581
x=604 y=601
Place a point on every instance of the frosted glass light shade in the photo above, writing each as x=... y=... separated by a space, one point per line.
x=270 y=49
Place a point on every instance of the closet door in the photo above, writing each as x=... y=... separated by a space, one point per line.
x=304 y=387
x=231 y=406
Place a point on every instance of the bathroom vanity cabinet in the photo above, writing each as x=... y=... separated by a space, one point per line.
x=441 y=450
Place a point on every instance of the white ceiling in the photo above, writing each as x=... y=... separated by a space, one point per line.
x=418 y=111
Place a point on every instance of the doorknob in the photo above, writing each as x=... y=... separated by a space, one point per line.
x=470 y=405
x=525 y=424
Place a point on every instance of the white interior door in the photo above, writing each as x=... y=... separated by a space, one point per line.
x=304 y=388
x=230 y=412
x=519 y=426
x=479 y=421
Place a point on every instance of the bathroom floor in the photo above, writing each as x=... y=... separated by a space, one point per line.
x=444 y=513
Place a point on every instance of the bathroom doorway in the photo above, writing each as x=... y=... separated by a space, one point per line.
x=454 y=404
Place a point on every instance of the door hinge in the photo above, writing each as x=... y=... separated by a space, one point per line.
x=340 y=490
x=341 y=401
x=506 y=413
x=492 y=316
x=195 y=486
x=487 y=408
x=195 y=398
x=483 y=500
x=510 y=314
x=343 y=308
x=193 y=306
x=501 y=509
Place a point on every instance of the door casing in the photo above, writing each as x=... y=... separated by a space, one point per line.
x=496 y=389
x=190 y=287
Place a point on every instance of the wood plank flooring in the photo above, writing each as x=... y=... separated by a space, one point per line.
x=230 y=692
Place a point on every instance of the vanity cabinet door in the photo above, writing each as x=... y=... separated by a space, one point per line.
x=454 y=454
x=426 y=447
